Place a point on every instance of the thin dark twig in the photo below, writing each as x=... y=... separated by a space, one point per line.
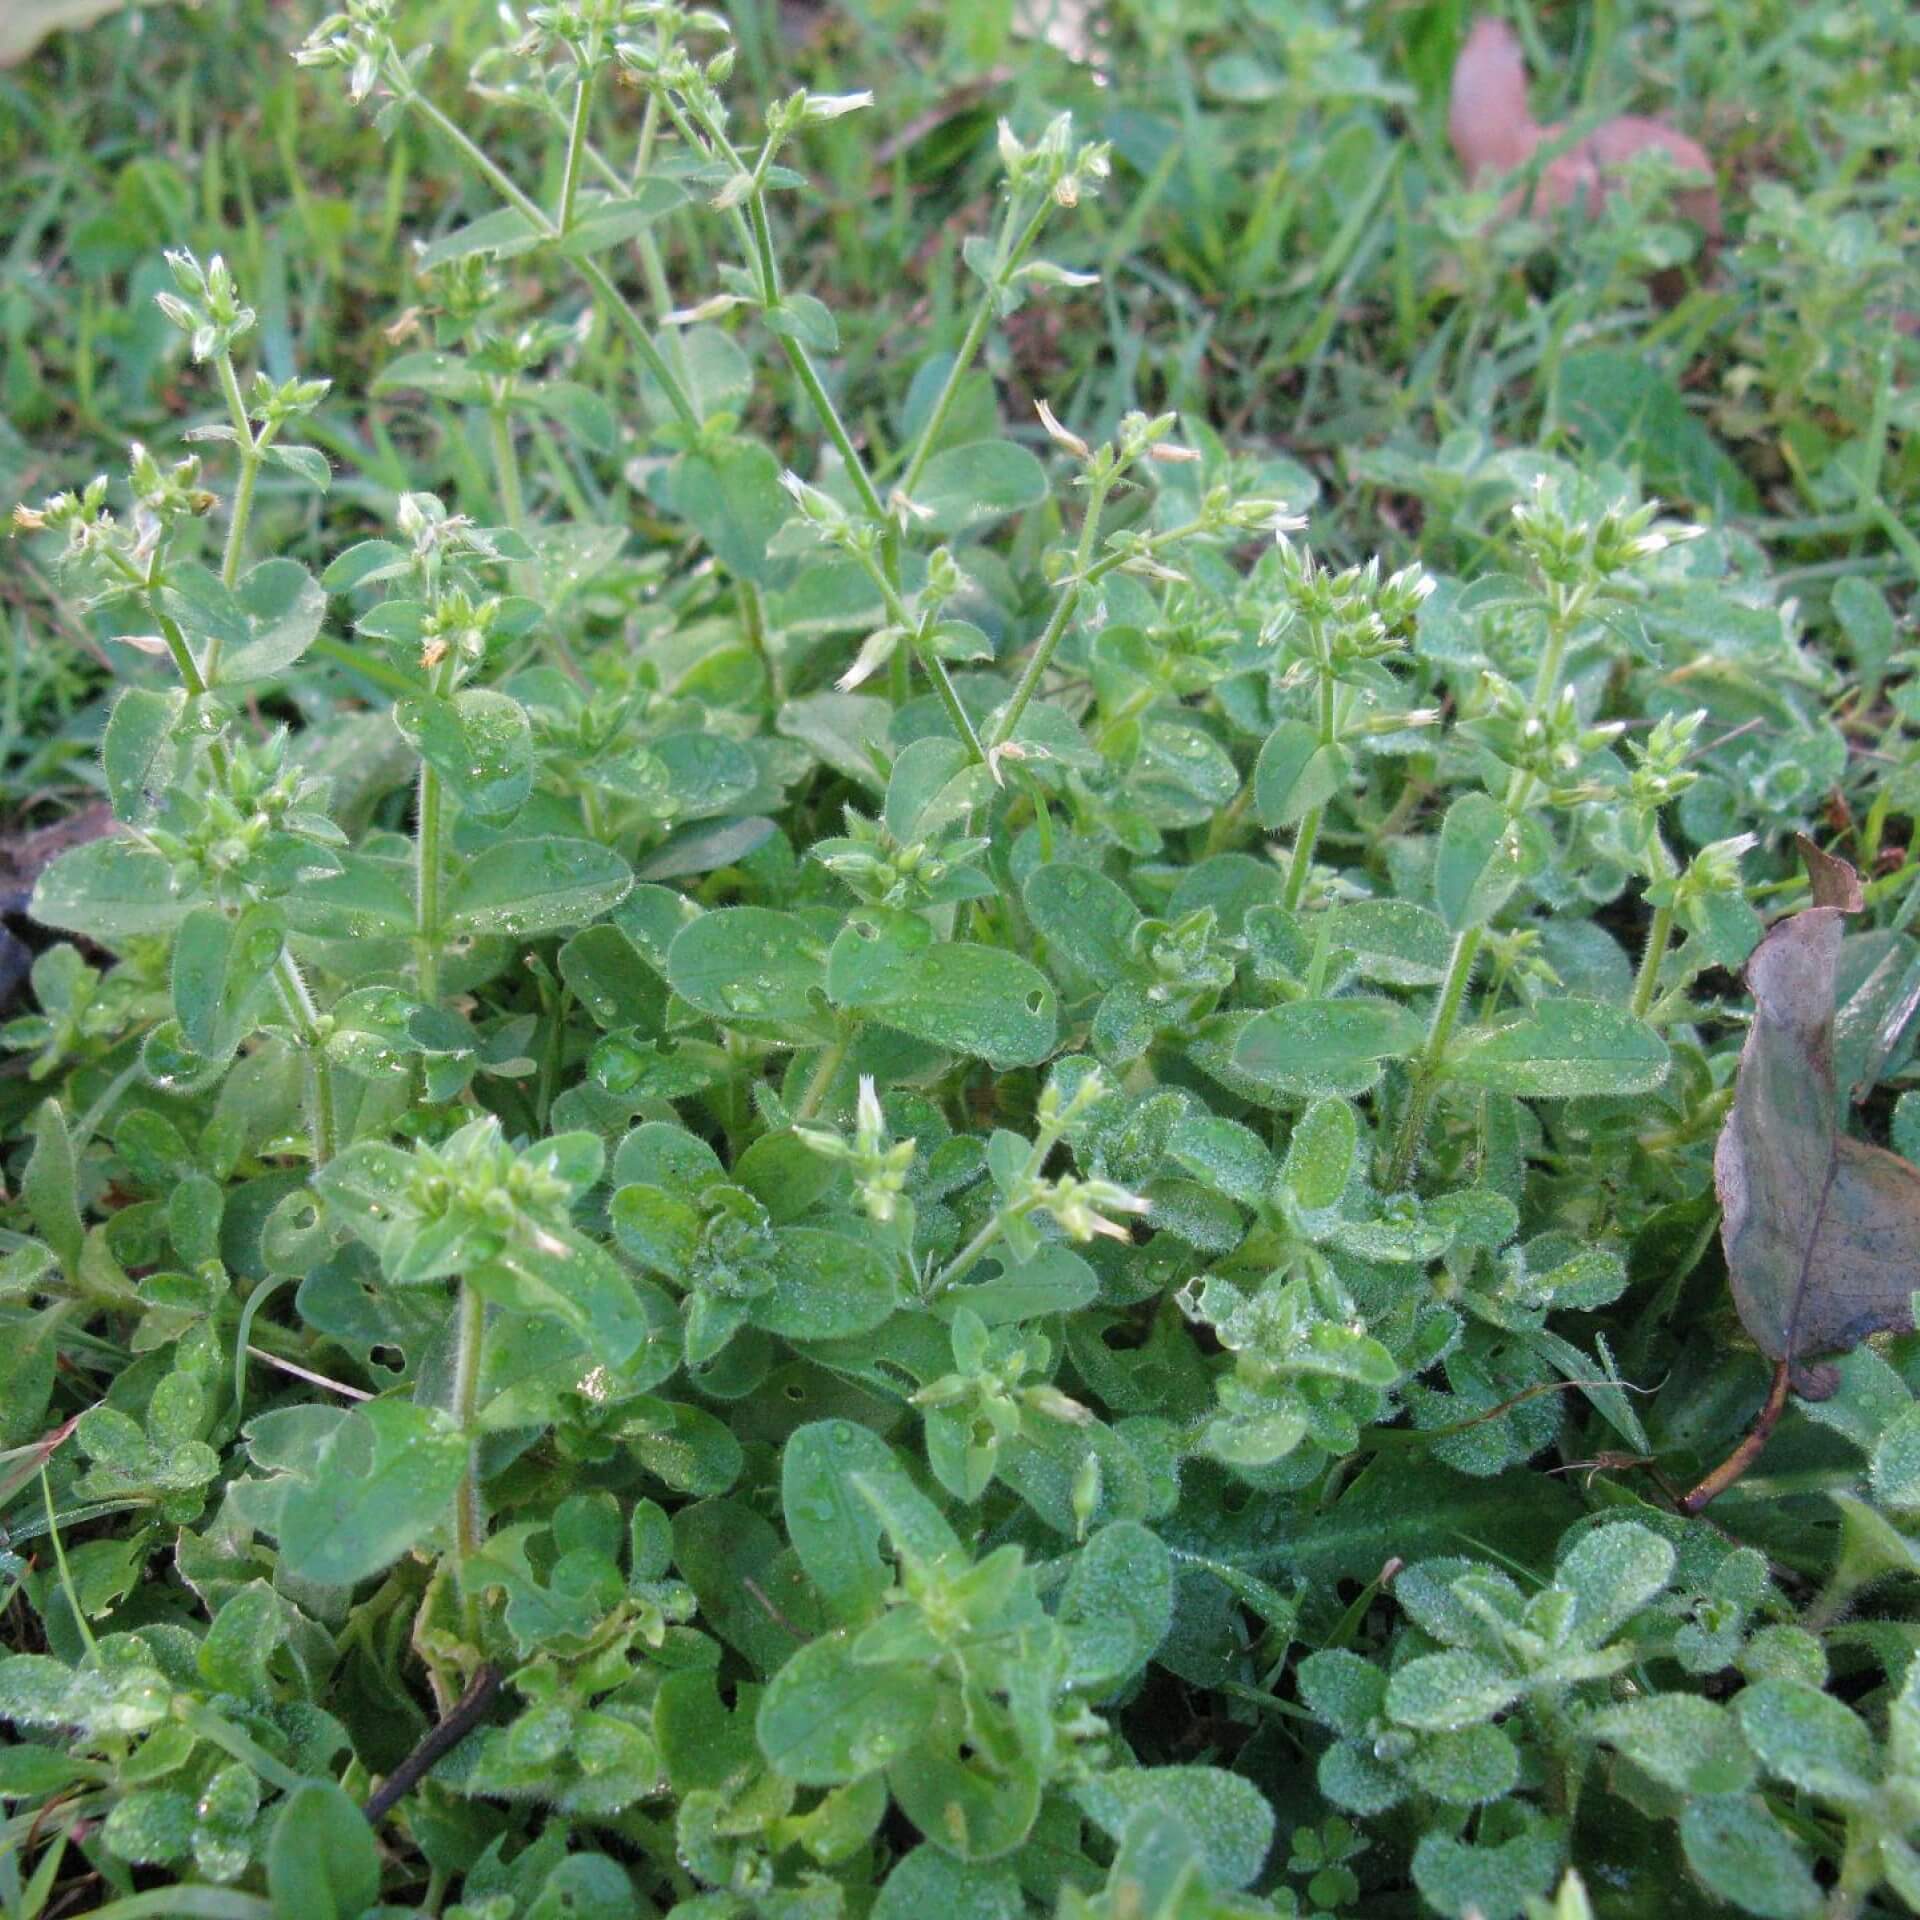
x=1748 y=1451
x=465 y=1715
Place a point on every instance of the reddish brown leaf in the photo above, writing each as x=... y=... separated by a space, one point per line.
x=1494 y=133
x=1822 y=1233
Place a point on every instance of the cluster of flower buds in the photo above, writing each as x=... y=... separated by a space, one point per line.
x=586 y=28
x=880 y=1163
x=1055 y=164
x=1352 y=615
x=1660 y=772
x=1552 y=742
x=120 y=555
x=205 y=305
x=360 y=39
x=883 y=872
x=1710 y=878
x=246 y=823
x=1570 y=548
x=437 y=535
x=474 y=1185
x=457 y=623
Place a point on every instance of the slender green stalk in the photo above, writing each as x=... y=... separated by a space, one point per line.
x=619 y=310
x=188 y=668
x=829 y=416
x=251 y=447
x=305 y=1016
x=1647 y=982
x=1010 y=258
x=470 y=1339
x=1037 y=662
x=1310 y=822
x=576 y=148
x=1302 y=863
x=428 y=860
x=1063 y=611
x=1426 y=1064
x=822 y=1077
x=506 y=467
x=475 y=156
x=753 y=613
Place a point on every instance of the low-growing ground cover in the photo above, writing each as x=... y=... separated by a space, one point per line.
x=889 y=888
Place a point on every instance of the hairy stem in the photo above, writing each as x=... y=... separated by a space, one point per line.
x=1647 y=982
x=1426 y=1063
x=576 y=148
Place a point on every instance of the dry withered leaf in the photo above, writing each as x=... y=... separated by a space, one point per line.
x=1494 y=132
x=1822 y=1232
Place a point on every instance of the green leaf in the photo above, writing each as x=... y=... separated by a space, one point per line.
x=611 y=221
x=385 y=1481
x=502 y=233
x=1326 y=1046
x=1229 y=1819
x=525 y=887
x=1477 y=865
x=1740 y=1852
x=826 y=1286
x=980 y=1001
x=835 y=1528
x=1560 y=1050
x=1612 y=1572
x=1320 y=1153
x=51 y=1185
x=1085 y=919
x=1810 y=1740
x=1117 y=1606
x=1295 y=773
x=570 y=1279
x=826 y=1720
x=479 y=742
x=968 y=487
x=220 y=966
x=283 y=606
x=1439 y=1692
x=1343 y=1691
x=750 y=966
x=1680 y=1739
x=803 y=317
x=1394 y=942
x=930 y=1882
x=322 y=1861
x=732 y=496
x=135 y=746
x=109 y=890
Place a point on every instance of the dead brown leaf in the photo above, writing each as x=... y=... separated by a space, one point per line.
x=1822 y=1232
x=1494 y=134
